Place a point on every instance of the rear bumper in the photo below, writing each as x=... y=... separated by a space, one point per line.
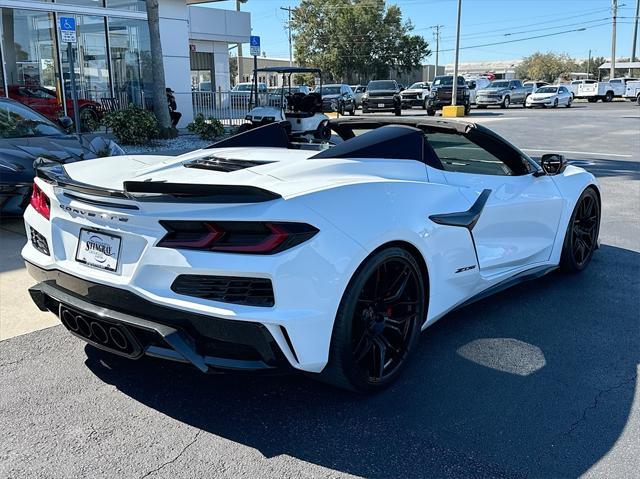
x=123 y=323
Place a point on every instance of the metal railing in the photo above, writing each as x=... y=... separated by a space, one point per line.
x=229 y=107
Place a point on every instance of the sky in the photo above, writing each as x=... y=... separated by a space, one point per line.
x=482 y=22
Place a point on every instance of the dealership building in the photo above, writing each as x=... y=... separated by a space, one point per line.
x=112 y=53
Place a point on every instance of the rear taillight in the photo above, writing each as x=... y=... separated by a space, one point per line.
x=40 y=201
x=247 y=237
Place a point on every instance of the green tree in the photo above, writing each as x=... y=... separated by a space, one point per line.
x=355 y=40
x=592 y=67
x=546 y=67
x=233 y=69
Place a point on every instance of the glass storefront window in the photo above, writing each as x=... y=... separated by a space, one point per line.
x=83 y=3
x=92 y=71
x=133 y=5
x=130 y=60
x=31 y=62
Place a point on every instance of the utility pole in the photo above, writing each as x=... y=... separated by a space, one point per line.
x=454 y=89
x=436 y=34
x=635 y=33
x=240 y=62
x=614 y=14
x=589 y=65
x=289 y=9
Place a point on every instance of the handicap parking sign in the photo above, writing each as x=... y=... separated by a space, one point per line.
x=254 y=43
x=68 y=29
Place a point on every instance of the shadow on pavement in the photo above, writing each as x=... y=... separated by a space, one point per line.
x=476 y=112
x=537 y=380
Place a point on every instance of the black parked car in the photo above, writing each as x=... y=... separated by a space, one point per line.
x=25 y=137
x=338 y=97
x=382 y=95
x=440 y=94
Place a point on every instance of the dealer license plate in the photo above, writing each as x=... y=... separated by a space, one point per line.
x=98 y=249
x=380 y=105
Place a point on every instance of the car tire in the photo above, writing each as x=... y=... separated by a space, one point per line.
x=505 y=102
x=424 y=105
x=341 y=109
x=638 y=100
x=592 y=99
x=467 y=108
x=370 y=345
x=352 y=111
x=569 y=101
x=608 y=98
x=431 y=112
x=397 y=111
x=555 y=103
x=581 y=241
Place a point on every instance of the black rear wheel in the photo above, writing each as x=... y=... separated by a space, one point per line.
x=581 y=239
x=378 y=322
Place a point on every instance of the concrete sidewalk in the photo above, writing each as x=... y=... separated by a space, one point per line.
x=18 y=315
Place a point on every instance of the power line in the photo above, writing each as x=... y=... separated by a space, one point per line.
x=527 y=38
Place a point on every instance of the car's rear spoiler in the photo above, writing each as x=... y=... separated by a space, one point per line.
x=154 y=191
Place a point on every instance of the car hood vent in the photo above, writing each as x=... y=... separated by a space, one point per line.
x=216 y=163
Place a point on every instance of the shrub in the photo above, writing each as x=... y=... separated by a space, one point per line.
x=133 y=125
x=206 y=128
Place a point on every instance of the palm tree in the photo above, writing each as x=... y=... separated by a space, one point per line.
x=160 y=107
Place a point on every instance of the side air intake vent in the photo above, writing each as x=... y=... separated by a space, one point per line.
x=227 y=289
x=226 y=165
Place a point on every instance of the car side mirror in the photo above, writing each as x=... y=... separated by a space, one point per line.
x=65 y=122
x=402 y=88
x=553 y=163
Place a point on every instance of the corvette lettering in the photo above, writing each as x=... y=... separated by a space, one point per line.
x=90 y=214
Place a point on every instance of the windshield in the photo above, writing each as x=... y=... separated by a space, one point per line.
x=418 y=86
x=547 y=89
x=381 y=85
x=499 y=84
x=17 y=121
x=447 y=81
x=329 y=90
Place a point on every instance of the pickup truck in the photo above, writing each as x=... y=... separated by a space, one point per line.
x=619 y=86
x=593 y=91
x=632 y=91
x=502 y=93
x=442 y=91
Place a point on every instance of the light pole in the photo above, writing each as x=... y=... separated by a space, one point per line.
x=454 y=92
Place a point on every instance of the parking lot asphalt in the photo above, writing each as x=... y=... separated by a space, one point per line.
x=537 y=381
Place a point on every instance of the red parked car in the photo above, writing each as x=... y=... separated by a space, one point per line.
x=46 y=102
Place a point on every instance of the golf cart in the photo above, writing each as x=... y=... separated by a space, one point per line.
x=302 y=110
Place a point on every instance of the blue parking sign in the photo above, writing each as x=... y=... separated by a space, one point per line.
x=68 y=29
x=67 y=24
x=254 y=45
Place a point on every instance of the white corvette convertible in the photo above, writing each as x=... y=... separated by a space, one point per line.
x=256 y=253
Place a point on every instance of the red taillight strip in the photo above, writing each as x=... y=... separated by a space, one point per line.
x=270 y=243
x=40 y=202
x=205 y=241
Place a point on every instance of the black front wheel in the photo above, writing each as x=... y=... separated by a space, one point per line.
x=378 y=322
x=431 y=112
x=398 y=111
x=581 y=239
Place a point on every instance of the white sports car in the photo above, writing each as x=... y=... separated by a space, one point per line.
x=256 y=253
